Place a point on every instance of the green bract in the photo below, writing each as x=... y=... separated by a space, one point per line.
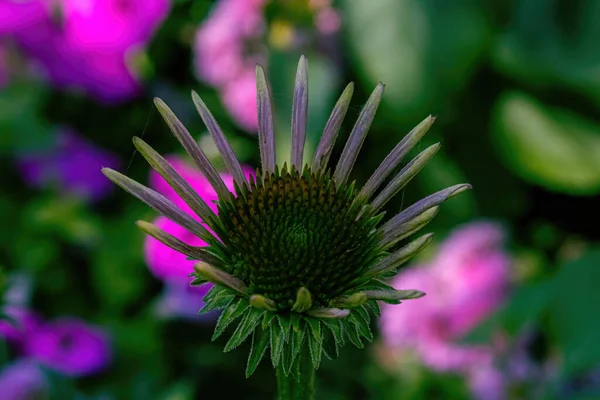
x=298 y=255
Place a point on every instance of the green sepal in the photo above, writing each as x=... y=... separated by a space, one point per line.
x=245 y=328
x=260 y=342
x=297 y=334
x=287 y=358
x=221 y=299
x=337 y=331
x=277 y=341
x=286 y=325
x=230 y=314
x=360 y=326
x=198 y=281
x=330 y=345
x=352 y=334
x=373 y=307
x=269 y=316
x=376 y=284
x=315 y=327
x=316 y=349
x=363 y=313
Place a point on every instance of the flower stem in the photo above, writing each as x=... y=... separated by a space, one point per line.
x=297 y=387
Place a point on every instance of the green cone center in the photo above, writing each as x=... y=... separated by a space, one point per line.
x=290 y=230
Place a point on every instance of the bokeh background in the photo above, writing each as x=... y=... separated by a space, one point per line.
x=96 y=311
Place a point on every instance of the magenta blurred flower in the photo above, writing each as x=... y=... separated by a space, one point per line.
x=181 y=300
x=72 y=164
x=16 y=15
x=3 y=67
x=22 y=380
x=164 y=262
x=88 y=45
x=70 y=346
x=466 y=281
x=224 y=59
x=21 y=325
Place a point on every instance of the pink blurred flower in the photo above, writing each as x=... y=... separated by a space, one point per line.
x=70 y=346
x=223 y=58
x=239 y=97
x=164 y=262
x=465 y=282
x=87 y=44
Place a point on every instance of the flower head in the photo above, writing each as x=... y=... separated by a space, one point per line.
x=297 y=254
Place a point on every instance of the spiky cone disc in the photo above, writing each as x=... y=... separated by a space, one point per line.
x=298 y=255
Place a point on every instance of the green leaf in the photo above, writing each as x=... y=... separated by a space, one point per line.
x=260 y=342
x=316 y=349
x=277 y=342
x=547 y=146
x=245 y=328
x=391 y=41
x=573 y=312
x=235 y=309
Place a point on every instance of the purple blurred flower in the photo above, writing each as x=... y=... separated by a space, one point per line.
x=70 y=346
x=22 y=324
x=16 y=15
x=23 y=380
x=72 y=164
x=223 y=57
x=86 y=44
x=465 y=282
x=181 y=300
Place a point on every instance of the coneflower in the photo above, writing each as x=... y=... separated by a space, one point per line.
x=298 y=255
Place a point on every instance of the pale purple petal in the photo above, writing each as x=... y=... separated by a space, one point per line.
x=180 y=300
x=22 y=380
